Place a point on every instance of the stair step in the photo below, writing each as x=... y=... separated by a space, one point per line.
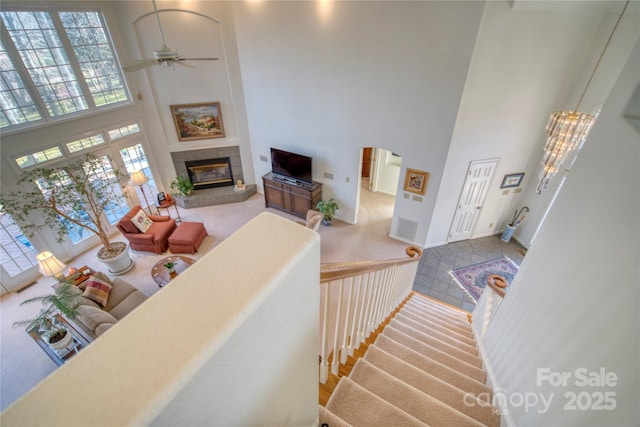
x=411 y=400
x=446 y=393
x=435 y=354
x=432 y=304
x=440 y=314
x=428 y=328
x=431 y=366
x=448 y=348
x=359 y=407
x=427 y=318
x=329 y=418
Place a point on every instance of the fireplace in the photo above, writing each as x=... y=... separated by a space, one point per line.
x=210 y=173
x=216 y=171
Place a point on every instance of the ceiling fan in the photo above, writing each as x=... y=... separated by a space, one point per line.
x=164 y=55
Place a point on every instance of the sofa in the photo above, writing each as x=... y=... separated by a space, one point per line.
x=155 y=239
x=94 y=319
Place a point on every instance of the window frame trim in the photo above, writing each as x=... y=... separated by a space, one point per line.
x=53 y=9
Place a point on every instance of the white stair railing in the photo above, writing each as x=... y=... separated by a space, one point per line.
x=355 y=299
x=489 y=302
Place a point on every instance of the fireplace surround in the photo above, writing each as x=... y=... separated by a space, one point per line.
x=210 y=173
x=216 y=170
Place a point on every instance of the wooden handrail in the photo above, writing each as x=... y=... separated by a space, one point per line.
x=497 y=284
x=341 y=270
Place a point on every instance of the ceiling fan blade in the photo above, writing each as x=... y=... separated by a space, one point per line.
x=179 y=61
x=139 y=64
x=198 y=59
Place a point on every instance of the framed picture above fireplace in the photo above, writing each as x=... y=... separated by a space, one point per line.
x=198 y=121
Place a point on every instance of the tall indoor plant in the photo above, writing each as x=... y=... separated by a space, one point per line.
x=77 y=193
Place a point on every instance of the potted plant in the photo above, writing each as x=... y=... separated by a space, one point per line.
x=170 y=266
x=328 y=209
x=181 y=185
x=63 y=300
x=75 y=194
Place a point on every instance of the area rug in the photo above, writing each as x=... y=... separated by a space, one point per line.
x=473 y=278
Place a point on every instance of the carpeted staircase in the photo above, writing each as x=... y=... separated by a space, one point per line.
x=423 y=369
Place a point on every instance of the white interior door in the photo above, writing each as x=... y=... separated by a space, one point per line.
x=472 y=197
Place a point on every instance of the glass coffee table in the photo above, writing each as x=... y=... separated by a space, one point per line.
x=160 y=273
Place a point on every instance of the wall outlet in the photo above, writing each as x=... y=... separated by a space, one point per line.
x=347 y=179
x=491 y=225
x=406 y=196
x=264 y=158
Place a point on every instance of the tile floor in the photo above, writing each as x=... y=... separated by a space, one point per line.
x=433 y=278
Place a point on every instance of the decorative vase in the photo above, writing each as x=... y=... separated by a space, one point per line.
x=119 y=264
x=62 y=344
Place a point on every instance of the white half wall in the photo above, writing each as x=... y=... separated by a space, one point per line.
x=221 y=344
x=574 y=303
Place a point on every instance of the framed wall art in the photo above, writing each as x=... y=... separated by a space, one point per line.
x=512 y=180
x=415 y=181
x=198 y=121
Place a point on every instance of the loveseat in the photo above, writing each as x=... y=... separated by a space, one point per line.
x=94 y=319
x=155 y=239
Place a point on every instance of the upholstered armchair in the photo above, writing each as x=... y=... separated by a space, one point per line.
x=154 y=239
x=313 y=220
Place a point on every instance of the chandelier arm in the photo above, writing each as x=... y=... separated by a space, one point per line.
x=602 y=55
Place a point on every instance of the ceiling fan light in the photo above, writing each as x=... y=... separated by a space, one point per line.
x=165 y=53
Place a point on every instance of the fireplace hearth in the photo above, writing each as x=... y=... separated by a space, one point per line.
x=210 y=173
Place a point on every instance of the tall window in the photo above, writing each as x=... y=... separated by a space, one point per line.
x=55 y=63
x=113 y=211
x=135 y=159
x=16 y=252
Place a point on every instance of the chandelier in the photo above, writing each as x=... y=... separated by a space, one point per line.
x=568 y=129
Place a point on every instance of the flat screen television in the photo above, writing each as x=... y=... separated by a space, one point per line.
x=291 y=166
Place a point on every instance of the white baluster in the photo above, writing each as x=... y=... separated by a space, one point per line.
x=334 y=362
x=324 y=370
x=353 y=337
x=347 y=320
x=366 y=303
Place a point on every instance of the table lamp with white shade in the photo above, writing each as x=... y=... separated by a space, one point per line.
x=50 y=266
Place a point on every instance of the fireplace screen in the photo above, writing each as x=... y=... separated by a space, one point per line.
x=210 y=173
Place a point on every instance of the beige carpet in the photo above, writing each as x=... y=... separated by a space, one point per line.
x=23 y=364
x=394 y=384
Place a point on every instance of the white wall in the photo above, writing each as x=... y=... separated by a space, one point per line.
x=524 y=65
x=327 y=78
x=158 y=87
x=219 y=345
x=574 y=303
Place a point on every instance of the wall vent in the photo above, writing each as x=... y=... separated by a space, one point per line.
x=407 y=229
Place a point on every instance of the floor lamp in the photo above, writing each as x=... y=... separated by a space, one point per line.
x=138 y=178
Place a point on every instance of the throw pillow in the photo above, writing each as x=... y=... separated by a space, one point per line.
x=97 y=290
x=141 y=221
